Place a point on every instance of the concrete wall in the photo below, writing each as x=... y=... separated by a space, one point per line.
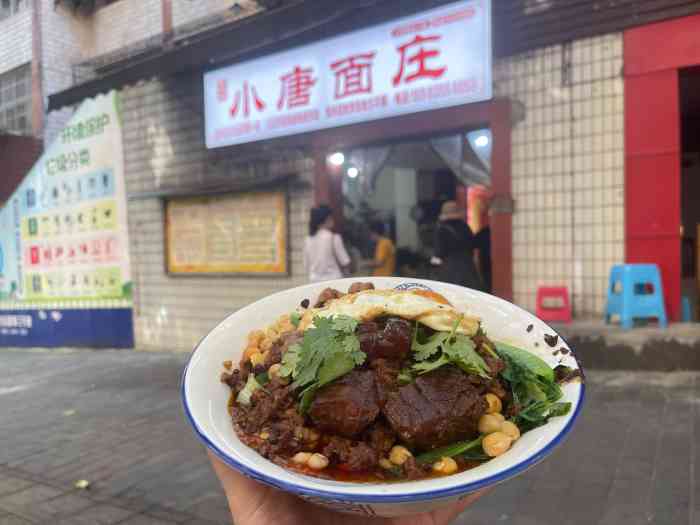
x=164 y=149
x=568 y=169
x=16 y=40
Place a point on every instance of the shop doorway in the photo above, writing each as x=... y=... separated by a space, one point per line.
x=689 y=83
x=402 y=186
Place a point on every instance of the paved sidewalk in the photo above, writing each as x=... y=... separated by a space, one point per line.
x=113 y=418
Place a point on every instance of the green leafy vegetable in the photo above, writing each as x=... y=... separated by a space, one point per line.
x=462 y=352
x=244 y=395
x=533 y=386
x=423 y=351
x=343 y=323
x=329 y=350
x=262 y=379
x=455 y=449
x=295 y=319
x=424 y=367
x=405 y=377
x=444 y=348
x=290 y=360
x=526 y=361
x=306 y=398
x=334 y=366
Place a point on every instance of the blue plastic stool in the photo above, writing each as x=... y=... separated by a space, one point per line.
x=634 y=292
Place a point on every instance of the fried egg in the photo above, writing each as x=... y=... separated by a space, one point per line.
x=428 y=308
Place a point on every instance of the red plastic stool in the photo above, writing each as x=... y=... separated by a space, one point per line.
x=553 y=304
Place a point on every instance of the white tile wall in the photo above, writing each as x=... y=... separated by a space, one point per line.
x=186 y=10
x=66 y=37
x=123 y=23
x=164 y=149
x=568 y=169
x=16 y=40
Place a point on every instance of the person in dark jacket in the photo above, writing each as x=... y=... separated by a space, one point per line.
x=454 y=249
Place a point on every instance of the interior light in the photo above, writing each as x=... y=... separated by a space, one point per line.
x=337 y=158
x=481 y=141
x=353 y=172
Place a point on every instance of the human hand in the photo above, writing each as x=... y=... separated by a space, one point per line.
x=252 y=503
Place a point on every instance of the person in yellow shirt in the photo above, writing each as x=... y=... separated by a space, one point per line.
x=384 y=263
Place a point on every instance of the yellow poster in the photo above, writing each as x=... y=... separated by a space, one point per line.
x=241 y=233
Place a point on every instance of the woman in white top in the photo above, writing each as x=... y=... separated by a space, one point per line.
x=324 y=253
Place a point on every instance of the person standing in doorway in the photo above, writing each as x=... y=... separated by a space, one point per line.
x=384 y=263
x=325 y=256
x=454 y=248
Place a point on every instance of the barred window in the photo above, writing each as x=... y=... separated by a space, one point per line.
x=11 y=7
x=15 y=100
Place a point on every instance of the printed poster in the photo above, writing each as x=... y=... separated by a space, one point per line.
x=64 y=248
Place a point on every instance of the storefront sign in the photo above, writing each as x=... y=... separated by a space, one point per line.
x=63 y=239
x=242 y=233
x=437 y=59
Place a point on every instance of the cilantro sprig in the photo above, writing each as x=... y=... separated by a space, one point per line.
x=444 y=348
x=330 y=349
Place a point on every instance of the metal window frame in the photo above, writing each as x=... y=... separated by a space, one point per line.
x=18 y=105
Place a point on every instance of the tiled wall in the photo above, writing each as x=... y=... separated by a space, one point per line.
x=16 y=40
x=164 y=149
x=66 y=36
x=568 y=168
x=125 y=23
x=185 y=10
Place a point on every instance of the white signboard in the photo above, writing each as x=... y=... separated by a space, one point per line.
x=436 y=59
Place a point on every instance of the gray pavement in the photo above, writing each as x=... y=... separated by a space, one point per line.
x=113 y=418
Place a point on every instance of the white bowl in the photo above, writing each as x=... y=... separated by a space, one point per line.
x=205 y=403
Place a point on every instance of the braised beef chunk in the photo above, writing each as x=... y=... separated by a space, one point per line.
x=391 y=341
x=327 y=295
x=352 y=456
x=380 y=437
x=347 y=406
x=438 y=408
x=360 y=287
x=385 y=374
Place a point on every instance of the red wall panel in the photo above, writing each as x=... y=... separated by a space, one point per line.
x=652 y=118
x=653 y=196
x=653 y=160
x=666 y=45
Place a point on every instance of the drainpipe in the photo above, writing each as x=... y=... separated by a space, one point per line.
x=37 y=73
x=166 y=7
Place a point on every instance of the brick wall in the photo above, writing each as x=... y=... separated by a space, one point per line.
x=16 y=40
x=164 y=149
x=568 y=169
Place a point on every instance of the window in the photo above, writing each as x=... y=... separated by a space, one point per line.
x=15 y=100
x=11 y=7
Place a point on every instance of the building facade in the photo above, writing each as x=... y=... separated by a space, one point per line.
x=566 y=166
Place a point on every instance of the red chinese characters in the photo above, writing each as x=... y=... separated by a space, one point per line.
x=353 y=75
x=415 y=56
x=296 y=88
x=242 y=101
